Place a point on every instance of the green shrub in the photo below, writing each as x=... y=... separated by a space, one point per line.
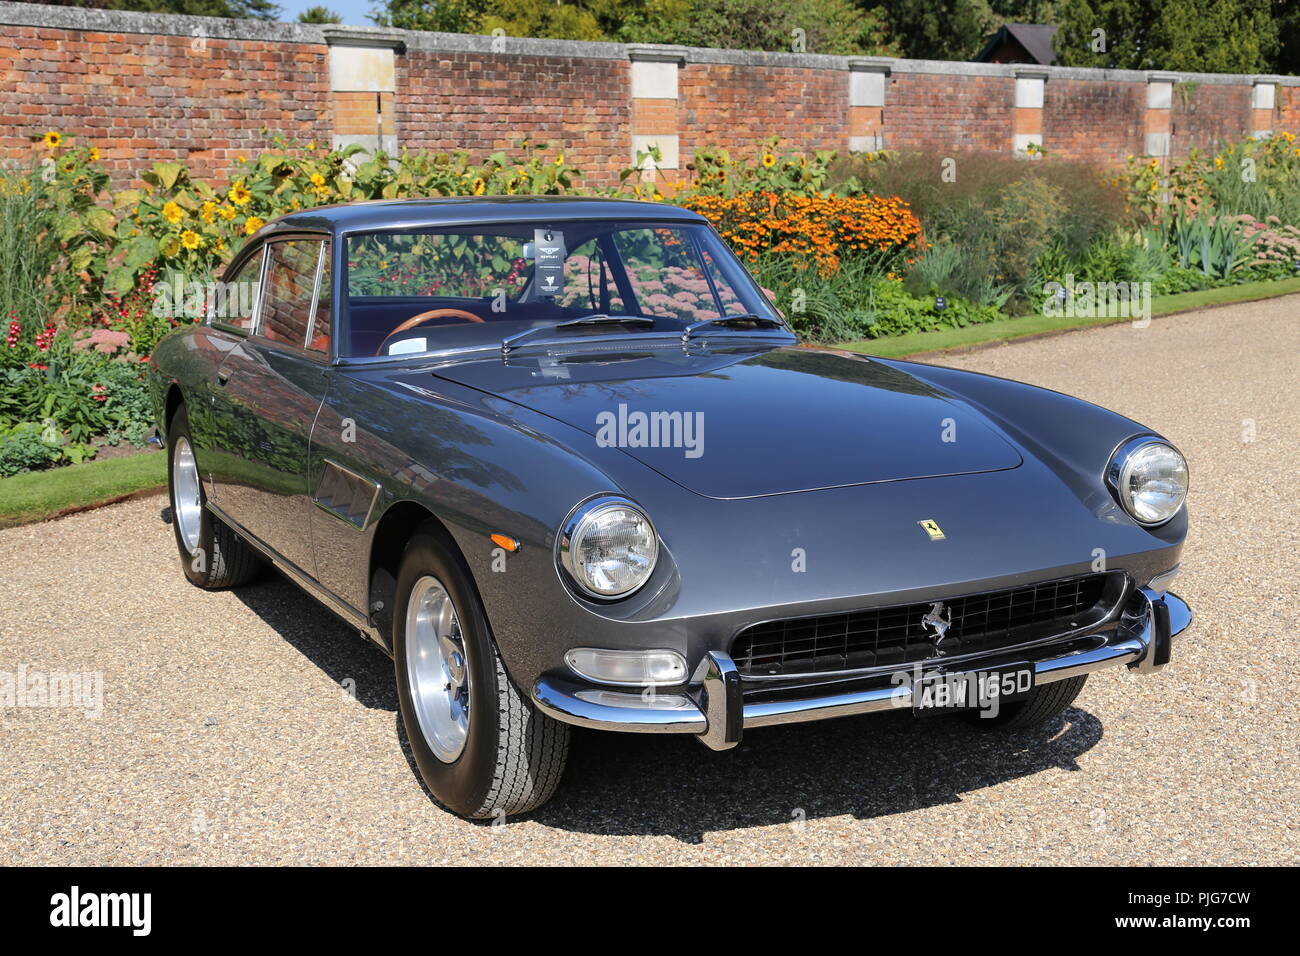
x=858 y=303
x=27 y=446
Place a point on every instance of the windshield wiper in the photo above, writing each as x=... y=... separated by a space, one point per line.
x=587 y=321
x=727 y=319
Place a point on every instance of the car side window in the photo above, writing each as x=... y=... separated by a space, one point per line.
x=318 y=339
x=290 y=284
x=236 y=301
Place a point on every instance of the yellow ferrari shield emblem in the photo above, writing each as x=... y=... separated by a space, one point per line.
x=932 y=528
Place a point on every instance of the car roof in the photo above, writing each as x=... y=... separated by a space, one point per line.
x=459 y=211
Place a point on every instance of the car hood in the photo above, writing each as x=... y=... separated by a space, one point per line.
x=743 y=423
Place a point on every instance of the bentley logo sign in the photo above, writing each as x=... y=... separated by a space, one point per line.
x=931 y=527
x=935 y=622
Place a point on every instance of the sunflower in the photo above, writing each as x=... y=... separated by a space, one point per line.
x=253 y=224
x=479 y=187
x=190 y=239
x=239 y=193
x=52 y=139
x=172 y=213
x=317 y=180
x=769 y=160
x=209 y=211
x=94 y=154
x=226 y=213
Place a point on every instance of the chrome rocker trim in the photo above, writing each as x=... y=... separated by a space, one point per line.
x=712 y=707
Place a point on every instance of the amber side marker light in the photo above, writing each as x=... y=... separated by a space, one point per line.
x=505 y=541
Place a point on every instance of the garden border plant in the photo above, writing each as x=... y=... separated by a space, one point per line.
x=877 y=247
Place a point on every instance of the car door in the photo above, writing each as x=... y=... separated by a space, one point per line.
x=268 y=391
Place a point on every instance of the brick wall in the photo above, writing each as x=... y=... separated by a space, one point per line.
x=143 y=98
x=485 y=102
x=947 y=112
x=737 y=106
x=1098 y=121
x=200 y=90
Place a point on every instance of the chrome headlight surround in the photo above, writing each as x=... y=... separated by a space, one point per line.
x=1143 y=455
x=579 y=524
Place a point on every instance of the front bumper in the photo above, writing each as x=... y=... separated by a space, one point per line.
x=715 y=709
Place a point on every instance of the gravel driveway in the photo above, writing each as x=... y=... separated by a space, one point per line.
x=228 y=733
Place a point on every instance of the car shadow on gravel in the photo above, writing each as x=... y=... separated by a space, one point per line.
x=876 y=765
x=871 y=766
x=321 y=637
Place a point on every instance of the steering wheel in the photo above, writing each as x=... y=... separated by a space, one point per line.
x=423 y=317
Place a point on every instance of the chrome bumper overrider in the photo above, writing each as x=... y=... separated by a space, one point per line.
x=713 y=706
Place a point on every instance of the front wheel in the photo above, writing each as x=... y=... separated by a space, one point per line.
x=481 y=746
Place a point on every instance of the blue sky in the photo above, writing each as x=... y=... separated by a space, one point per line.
x=352 y=11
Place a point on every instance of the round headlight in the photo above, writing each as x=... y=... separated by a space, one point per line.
x=609 y=547
x=1150 y=480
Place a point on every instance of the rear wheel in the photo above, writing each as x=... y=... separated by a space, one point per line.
x=212 y=555
x=1043 y=703
x=481 y=746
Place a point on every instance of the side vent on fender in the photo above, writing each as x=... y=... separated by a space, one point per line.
x=346 y=494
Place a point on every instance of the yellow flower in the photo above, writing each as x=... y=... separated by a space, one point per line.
x=312 y=146
x=239 y=193
x=479 y=187
x=172 y=213
x=769 y=160
x=209 y=211
x=253 y=224
x=1218 y=162
x=559 y=160
x=52 y=139
x=226 y=213
x=190 y=239
x=317 y=179
x=94 y=154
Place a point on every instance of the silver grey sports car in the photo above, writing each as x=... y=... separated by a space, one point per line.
x=564 y=461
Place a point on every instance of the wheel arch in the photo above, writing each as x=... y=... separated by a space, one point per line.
x=173 y=400
x=396 y=526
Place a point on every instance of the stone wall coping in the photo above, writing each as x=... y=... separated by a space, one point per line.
x=336 y=34
x=119 y=21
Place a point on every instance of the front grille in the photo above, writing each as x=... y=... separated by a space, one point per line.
x=881 y=637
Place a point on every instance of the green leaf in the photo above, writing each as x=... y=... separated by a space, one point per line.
x=120 y=281
x=101 y=220
x=141 y=251
x=168 y=173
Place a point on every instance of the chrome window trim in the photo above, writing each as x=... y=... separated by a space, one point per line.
x=216 y=323
x=315 y=296
x=295 y=348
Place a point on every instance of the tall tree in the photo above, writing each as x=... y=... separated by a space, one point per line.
x=1212 y=36
x=319 y=15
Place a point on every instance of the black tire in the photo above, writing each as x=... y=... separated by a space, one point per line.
x=1043 y=703
x=513 y=755
x=222 y=559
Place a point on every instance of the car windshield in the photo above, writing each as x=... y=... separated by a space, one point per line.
x=421 y=291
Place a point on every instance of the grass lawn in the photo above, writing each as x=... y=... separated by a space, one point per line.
x=42 y=494
x=1005 y=330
